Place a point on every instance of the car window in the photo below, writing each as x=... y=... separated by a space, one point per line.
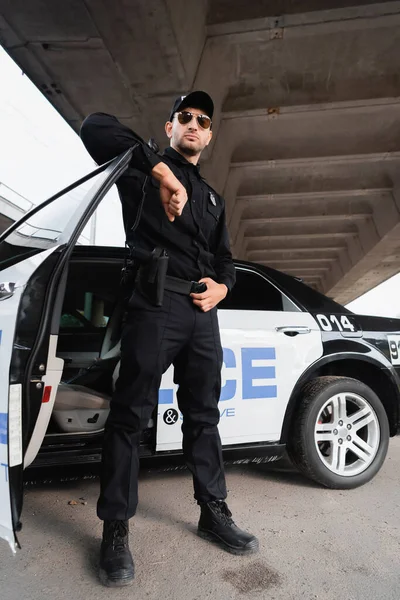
x=105 y=227
x=56 y=221
x=254 y=292
x=308 y=297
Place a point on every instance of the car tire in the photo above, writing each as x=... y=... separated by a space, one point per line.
x=338 y=462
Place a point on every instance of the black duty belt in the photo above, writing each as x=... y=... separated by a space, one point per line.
x=180 y=286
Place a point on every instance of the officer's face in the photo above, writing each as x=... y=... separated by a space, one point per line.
x=190 y=139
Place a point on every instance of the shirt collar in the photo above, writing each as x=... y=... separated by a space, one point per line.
x=177 y=157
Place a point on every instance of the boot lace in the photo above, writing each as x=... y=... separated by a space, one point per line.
x=221 y=509
x=120 y=533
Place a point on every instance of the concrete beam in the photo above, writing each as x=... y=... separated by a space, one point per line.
x=245 y=138
x=305 y=61
x=374 y=236
x=117 y=66
x=276 y=26
x=380 y=259
x=314 y=195
x=284 y=229
x=357 y=159
x=306 y=262
x=326 y=201
x=298 y=242
x=288 y=254
x=298 y=270
x=381 y=263
x=323 y=208
x=307 y=219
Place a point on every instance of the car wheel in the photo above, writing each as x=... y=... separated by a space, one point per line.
x=340 y=432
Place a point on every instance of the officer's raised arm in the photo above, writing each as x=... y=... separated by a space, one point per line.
x=105 y=138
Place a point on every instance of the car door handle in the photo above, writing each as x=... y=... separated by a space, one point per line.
x=293 y=330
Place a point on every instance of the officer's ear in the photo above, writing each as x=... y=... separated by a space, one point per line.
x=168 y=129
x=210 y=134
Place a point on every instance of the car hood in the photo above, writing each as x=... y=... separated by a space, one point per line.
x=384 y=324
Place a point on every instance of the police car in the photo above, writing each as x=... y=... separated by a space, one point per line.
x=300 y=372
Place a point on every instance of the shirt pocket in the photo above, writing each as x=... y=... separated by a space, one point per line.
x=211 y=219
x=214 y=211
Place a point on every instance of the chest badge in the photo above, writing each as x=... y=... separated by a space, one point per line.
x=212 y=199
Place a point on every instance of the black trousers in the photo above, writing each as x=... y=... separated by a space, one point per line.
x=153 y=338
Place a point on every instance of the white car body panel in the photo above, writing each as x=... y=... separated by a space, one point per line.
x=18 y=274
x=52 y=378
x=260 y=370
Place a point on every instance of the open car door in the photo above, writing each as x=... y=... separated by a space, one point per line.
x=34 y=255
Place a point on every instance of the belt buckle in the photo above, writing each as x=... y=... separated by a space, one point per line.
x=198 y=288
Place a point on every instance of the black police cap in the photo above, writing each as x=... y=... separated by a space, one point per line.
x=200 y=100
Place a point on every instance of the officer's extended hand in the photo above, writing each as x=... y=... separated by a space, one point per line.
x=172 y=193
x=214 y=293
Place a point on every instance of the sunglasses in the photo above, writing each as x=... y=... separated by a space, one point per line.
x=184 y=117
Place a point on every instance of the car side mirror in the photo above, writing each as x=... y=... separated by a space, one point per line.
x=6 y=290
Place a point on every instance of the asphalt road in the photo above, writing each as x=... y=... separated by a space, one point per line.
x=315 y=543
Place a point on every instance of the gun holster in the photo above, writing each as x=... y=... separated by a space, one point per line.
x=151 y=274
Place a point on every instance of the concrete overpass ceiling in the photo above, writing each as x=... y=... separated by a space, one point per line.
x=221 y=11
x=306 y=144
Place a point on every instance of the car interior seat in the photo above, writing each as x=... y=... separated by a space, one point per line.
x=82 y=404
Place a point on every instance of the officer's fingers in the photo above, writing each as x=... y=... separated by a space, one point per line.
x=181 y=193
x=165 y=197
x=169 y=213
x=206 y=304
x=206 y=280
x=201 y=303
x=202 y=296
x=206 y=307
x=177 y=203
x=175 y=200
x=174 y=210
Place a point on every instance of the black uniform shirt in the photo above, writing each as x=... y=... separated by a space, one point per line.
x=197 y=242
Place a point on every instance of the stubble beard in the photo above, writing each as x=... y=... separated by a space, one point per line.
x=188 y=150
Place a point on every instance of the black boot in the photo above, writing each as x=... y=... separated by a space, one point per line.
x=116 y=563
x=216 y=524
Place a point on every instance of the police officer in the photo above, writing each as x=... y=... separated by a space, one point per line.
x=184 y=216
